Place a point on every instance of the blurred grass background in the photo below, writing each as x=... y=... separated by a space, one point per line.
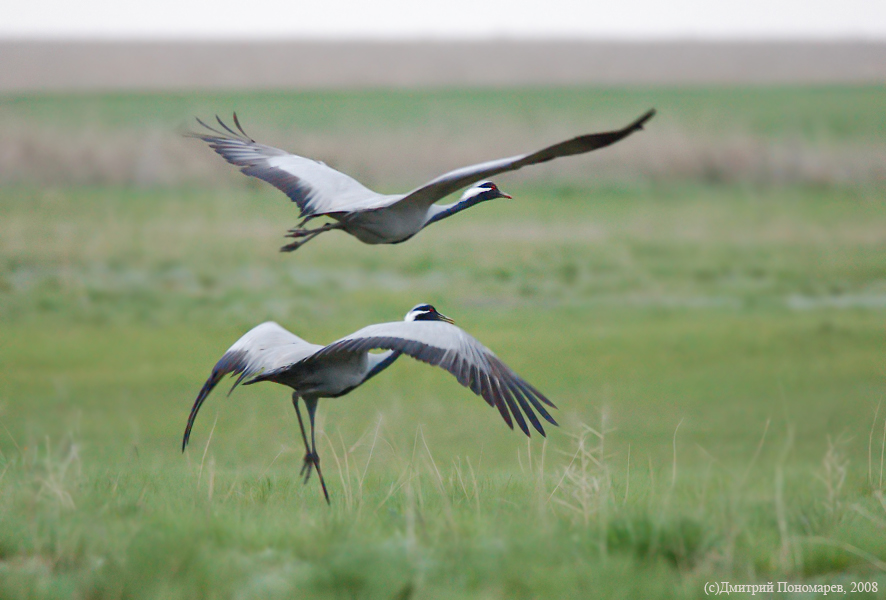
x=708 y=296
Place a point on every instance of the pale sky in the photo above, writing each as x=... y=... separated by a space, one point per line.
x=445 y=19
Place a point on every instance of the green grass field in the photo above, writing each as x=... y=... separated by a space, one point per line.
x=715 y=347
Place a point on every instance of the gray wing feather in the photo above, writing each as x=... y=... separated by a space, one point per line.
x=315 y=187
x=473 y=365
x=453 y=181
x=266 y=347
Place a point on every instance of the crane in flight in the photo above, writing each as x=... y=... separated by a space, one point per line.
x=320 y=191
x=268 y=352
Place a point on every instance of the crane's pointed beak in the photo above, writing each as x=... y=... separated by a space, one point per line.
x=508 y=196
x=445 y=319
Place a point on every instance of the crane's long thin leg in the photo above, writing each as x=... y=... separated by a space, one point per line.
x=306 y=467
x=311 y=404
x=297 y=232
x=307 y=235
x=312 y=459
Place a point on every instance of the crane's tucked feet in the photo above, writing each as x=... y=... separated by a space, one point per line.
x=297 y=232
x=312 y=459
x=302 y=236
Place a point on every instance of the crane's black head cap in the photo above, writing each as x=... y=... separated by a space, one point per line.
x=426 y=312
x=485 y=190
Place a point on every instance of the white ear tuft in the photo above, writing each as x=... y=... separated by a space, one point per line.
x=472 y=191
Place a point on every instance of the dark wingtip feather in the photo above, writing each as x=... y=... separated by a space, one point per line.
x=503 y=410
x=231 y=362
x=527 y=409
x=502 y=396
x=538 y=394
x=639 y=123
x=228 y=129
x=518 y=416
x=240 y=379
x=201 y=397
x=212 y=129
x=551 y=420
x=240 y=128
x=223 y=135
x=533 y=396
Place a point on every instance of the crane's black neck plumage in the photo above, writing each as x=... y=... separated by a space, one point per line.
x=382 y=365
x=447 y=210
x=475 y=195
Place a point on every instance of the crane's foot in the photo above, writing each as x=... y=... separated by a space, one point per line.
x=292 y=247
x=312 y=459
x=297 y=232
x=306 y=236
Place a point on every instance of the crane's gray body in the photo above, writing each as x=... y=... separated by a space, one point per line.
x=330 y=378
x=391 y=224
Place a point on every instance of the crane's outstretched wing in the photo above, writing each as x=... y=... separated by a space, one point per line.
x=453 y=181
x=444 y=345
x=265 y=347
x=316 y=188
